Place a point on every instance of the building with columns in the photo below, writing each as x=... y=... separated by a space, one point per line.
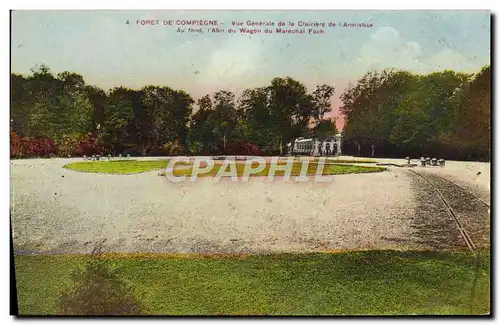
x=331 y=146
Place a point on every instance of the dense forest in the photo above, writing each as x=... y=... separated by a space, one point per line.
x=396 y=113
x=388 y=113
x=61 y=115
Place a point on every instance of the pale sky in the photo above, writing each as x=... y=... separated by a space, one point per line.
x=108 y=52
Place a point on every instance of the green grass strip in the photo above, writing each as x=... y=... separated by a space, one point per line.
x=328 y=169
x=117 y=166
x=353 y=283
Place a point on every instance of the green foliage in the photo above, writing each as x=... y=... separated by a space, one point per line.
x=201 y=128
x=150 y=120
x=98 y=100
x=273 y=115
x=396 y=112
x=472 y=128
x=417 y=114
x=169 y=112
x=62 y=108
x=173 y=148
x=118 y=115
x=47 y=106
x=321 y=97
x=74 y=111
x=195 y=147
x=224 y=114
x=68 y=144
x=325 y=128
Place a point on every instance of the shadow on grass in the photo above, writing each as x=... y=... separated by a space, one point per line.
x=349 y=283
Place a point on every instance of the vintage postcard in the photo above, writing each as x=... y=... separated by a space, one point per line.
x=278 y=163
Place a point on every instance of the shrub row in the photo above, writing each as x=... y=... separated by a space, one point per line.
x=21 y=147
x=89 y=144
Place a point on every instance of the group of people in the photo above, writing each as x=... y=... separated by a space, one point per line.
x=99 y=157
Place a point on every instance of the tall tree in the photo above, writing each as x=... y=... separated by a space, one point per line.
x=118 y=117
x=224 y=116
x=201 y=126
x=405 y=111
x=428 y=110
x=321 y=97
x=98 y=100
x=256 y=124
x=74 y=114
x=20 y=103
x=169 y=111
x=290 y=109
x=472 y=129
x=325 y=128
x=44 y=90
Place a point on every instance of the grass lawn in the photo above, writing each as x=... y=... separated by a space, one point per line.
x=117 y=166
x=355 y=283
x=139 y=166
x=328 y=169
x=351 y=161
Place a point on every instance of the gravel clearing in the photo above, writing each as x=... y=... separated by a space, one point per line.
x=54 y=210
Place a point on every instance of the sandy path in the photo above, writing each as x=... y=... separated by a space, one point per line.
x=58 y=210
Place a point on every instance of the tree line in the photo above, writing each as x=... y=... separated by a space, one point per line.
x=390 y=113
x=396 y=114
x=64 y=111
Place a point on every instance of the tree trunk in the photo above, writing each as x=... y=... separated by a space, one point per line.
x=359 y=147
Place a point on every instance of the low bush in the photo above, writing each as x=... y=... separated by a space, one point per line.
x=77 y=144
x=98 y=290
x=89 y=144
x=173 y=148
x=67 y=145
x=16 y=147
x=242 y=147
x=30 y=148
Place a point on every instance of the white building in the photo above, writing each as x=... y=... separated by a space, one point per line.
x=314 y=147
